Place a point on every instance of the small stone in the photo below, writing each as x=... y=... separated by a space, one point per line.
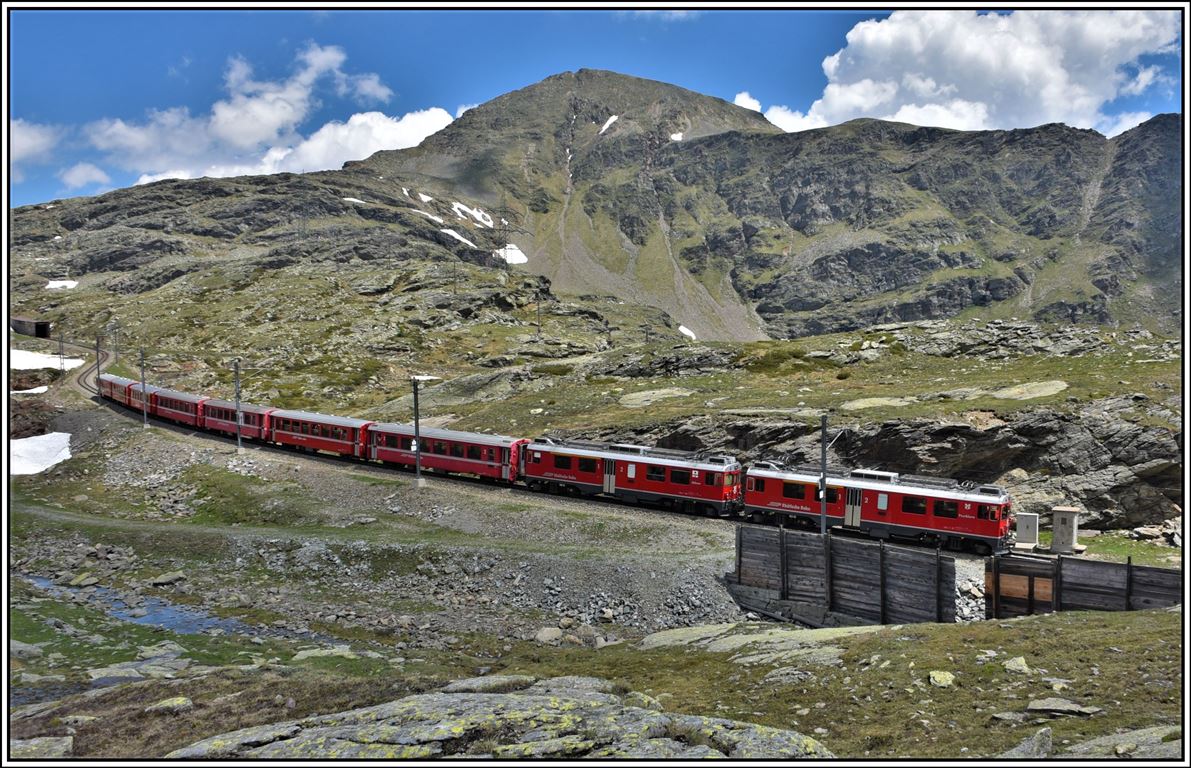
x=941 y=679
x=1037 y=746
x=167 y=578
x=548 y=635
x=566 y=622
x=1017 y=664
x=173 y=706
x=20 y=650
x=45 y=746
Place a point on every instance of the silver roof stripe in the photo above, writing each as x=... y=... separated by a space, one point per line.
x=871 y=485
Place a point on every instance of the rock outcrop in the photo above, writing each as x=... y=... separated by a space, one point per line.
x=565 y=717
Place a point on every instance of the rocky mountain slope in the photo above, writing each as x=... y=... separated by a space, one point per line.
x=661 y=197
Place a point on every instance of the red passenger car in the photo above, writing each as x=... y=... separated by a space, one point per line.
x=220 y=416
x=134 y=396
x=114 y=387
x=446 y=450
x=177 y=406
x=883 y=504
x=319 y=432
x=684 y=480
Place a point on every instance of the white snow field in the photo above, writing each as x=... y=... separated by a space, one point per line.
x=459 y=237
x=686 y=331
x=511 y=254
x=31 y=455
x=23 y=360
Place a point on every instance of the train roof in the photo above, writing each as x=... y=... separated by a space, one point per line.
x=244 y=407
x=185 y=397
x=149 y=389
x=116 y=379
x=625 y=451
x=478 y=438
x=321 y=418
x=881 y=480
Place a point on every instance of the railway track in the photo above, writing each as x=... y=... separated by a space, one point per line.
x=83 y=379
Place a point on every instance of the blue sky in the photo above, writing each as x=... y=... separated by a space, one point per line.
x=108 y=98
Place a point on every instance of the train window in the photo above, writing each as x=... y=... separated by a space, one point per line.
x=759 y=482
x=440 y=447
x=832 y=495
x=882 y=501
x=655 y=473
x=732 y=479
x=457 y=450
x=562 y=462
x=407 y=443
x=987 y=512
x=537 y=457
x=712 y=478
x=631 y=471
x=914 y=505
x=680 y=476
x=946 y=508
x=473 y=452
x=794 y=490
x=587 y=465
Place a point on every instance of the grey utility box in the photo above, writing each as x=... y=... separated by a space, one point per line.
x=1027 y=531
x=1065 y=521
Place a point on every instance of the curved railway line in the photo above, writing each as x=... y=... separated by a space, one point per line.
x=83 y=378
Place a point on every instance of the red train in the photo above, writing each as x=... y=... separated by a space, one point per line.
x=883 y=504
x=880 y=504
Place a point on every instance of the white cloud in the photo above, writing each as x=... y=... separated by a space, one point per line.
x=1123 y=122
x=743 y=99
x=255 y=129
x=963 y=69
x=82 y=174
x=29 y=143
x=463 y=108
x=663 y=15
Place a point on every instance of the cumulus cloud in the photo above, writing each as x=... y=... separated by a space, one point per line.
x=29 y=143
x=743 y=99
x=83 y=174
x=255 y=129
x=463 y=108
x=967 y=70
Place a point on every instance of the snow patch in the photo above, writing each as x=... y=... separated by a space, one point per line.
x=459 y=237
x=686 y=331
x=57 y=237
x=31 y=455
x=676 y=136
x=23 y=360
x=608 y=124
x=511 y=254
x=475 y=213
x=55 y=284
x=47 y=207
x=427 y=215
x=355 y=200
x=405 y=190
x=425 y=197
x=35 y=391
x=505 y=222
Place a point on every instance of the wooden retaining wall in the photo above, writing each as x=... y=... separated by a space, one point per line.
x=825 y=579
x=1020 y=586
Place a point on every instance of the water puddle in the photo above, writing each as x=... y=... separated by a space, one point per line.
x=182 y=619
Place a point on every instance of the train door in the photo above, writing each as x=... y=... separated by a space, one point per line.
x=852 y=508
x=504 y=460
x=609 y=475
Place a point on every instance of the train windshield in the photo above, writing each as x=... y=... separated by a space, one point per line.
x=731 y=479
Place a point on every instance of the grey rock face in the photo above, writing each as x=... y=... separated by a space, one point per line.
x=560 y=717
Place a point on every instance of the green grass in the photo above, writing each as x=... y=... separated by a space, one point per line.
x=227 y=497
x=1117 y=547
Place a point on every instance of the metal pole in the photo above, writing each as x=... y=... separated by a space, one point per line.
x=539 y=315
x=97 y=338
x=239 y=415
x=116 y=344
x=144 y=393
x=417 y=440
x=61 y=352
x=823 y=475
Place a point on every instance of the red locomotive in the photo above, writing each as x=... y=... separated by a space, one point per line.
x=879 y=504
x=883 y=504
